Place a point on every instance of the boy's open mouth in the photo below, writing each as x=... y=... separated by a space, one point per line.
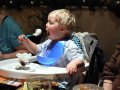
x=48 y=33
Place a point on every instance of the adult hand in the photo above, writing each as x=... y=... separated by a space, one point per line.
x=107 y=84
x=1 y=56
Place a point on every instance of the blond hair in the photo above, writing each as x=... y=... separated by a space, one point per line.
x=64 y=17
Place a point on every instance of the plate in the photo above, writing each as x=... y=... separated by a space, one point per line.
x=88 y=87
x=8 y=69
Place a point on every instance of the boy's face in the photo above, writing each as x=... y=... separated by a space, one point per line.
x=53 y=29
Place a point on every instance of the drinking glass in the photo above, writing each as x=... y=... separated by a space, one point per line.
x=39 y=83
x=106 y=82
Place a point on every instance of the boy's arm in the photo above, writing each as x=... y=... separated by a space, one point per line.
x=31 y=46
x=73 y=65
x=11 y=55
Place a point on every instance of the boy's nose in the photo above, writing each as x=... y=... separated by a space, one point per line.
x=46 y=24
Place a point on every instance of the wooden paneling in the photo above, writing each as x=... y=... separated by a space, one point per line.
x=102 y=22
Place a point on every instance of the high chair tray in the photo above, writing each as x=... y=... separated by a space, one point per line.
x=8 y=69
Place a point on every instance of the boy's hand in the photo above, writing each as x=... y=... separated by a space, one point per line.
x=72 y=66
x=21 y=38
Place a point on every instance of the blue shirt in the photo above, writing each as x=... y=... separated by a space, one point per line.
x=9 y=32
x=71 y=52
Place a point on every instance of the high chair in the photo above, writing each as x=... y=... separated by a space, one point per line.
x=89 y=44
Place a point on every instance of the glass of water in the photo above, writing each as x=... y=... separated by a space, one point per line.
x=107 y=83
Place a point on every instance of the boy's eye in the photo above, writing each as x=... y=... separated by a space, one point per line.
x=51 y=22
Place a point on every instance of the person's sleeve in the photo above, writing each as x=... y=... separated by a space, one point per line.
x=73 y=52
x=15 y=31
x=41 y=47
x=110 y=68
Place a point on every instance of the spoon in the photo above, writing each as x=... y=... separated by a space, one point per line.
x=37 y=33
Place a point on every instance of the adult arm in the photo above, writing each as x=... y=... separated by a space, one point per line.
x=110 y=69
x=19 y=49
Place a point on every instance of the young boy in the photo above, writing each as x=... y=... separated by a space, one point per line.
x=60 y=25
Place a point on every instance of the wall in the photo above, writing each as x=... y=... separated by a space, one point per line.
x=105 y=24
x=102 y=22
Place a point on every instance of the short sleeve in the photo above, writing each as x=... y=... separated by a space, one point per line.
x=15 y=31
x=43 y=46
x=73 y=52
x=9 y=32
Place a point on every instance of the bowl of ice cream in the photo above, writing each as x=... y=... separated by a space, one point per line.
x=23 y=60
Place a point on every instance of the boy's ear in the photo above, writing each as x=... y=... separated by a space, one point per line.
x=63 y=27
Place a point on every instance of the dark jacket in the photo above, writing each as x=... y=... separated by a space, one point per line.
x=112 y=68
